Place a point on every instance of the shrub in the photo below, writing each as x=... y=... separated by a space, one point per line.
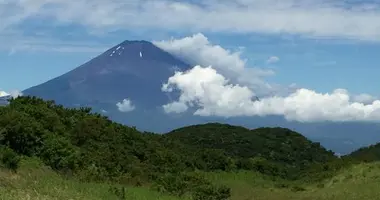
x=119 y=192
x=59 y=153
x=211 y=192
x=9 y=158
x=21 y=132
x=191 y=183
x=298 y=188
x=179 y=183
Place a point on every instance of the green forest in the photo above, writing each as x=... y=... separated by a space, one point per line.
x=48 y=151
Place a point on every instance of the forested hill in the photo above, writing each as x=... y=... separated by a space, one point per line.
x=289 y=152
x=367 y=154
x=93 y=148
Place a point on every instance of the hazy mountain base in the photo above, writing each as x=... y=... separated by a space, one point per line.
x=36 y=181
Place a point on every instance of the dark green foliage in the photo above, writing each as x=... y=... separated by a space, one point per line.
x=273 y=151
x=9 y=158
x=367 y=154
x=210 y=192
x=119 y=192
x=21 y=132
x=322 y=171
x=191 y=183
x=298 y=189
x=213 y=159
x=179 y=183
x=59 y=153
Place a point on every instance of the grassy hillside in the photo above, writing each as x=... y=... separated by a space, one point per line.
x=51 y=152
x=356 y=182
x=35 y=181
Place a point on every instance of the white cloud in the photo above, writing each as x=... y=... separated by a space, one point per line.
x=198 y=50
x=208 y=89
x=273 y=59
x=175 y=107
x=13 y=93
x=311 y=18
x=3 y=94
x=364 y=98
x=14 y=42
x=125 y=106
x=211 y=94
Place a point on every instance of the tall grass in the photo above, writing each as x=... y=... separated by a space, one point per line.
x=34 y=181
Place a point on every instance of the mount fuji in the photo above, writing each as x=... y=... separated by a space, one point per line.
x=125 y=84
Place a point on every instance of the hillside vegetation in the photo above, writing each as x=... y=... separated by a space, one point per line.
x=284 y=152
x=75 y=154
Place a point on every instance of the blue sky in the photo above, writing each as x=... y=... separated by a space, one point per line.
x=321 y=45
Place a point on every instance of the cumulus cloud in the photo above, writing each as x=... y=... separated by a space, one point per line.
x=311 y=18
x=3 y=94
x=125 y=106
x=211 y=94
x=13 y=93
x=364 y=98
x=198 y=50
x=175 y=107
x=273 y=59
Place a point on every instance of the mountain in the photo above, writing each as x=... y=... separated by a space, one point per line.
x=4 y=100
x=136 y=70
x=131 y=69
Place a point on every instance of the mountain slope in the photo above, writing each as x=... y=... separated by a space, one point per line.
x=134 y=70
x=368 y=154
x=4 y=100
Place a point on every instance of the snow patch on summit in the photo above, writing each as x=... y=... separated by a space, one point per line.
x=118 y=50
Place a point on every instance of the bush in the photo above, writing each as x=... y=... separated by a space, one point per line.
x=298 y=188
x=59 y=153
x=177 y=184
x=119 y=192
x=21 y=132
x=211 y=192
x=193 y=184
x=9 y=158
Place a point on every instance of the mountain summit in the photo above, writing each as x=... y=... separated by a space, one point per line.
x=133 y=70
